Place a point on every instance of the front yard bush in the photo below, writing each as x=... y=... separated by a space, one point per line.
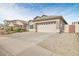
x=18 y=30
x=8 y=30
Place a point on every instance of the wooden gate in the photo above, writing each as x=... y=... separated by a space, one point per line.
x=71 y=28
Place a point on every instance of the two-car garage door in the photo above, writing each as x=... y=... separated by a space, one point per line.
x=48 y=27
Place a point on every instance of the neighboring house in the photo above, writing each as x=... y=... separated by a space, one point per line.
x=1 y=26
x=75 y=23
x=13 y=24
x=46 y=23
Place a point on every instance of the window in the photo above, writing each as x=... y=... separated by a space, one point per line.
x=31 y=26
x=54 y=22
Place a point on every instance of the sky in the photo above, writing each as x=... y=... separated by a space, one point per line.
x=27 y=11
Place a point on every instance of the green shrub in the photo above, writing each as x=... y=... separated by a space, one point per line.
x=18 y=30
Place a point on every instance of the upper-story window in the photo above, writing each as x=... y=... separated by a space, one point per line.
x=31 y=26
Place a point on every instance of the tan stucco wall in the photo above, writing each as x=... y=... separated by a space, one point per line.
x=66 y=28
x=77 y=28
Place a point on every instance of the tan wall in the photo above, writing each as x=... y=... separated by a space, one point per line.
x=77 y=28
x=66 y=28
x=23 y=25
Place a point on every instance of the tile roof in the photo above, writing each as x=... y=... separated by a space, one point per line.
x=14 y=21
x=43 y=18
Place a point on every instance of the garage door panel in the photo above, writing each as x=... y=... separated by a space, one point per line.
x=46 y=28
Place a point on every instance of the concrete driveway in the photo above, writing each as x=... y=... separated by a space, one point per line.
x=39 y=44
x=23 y=44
